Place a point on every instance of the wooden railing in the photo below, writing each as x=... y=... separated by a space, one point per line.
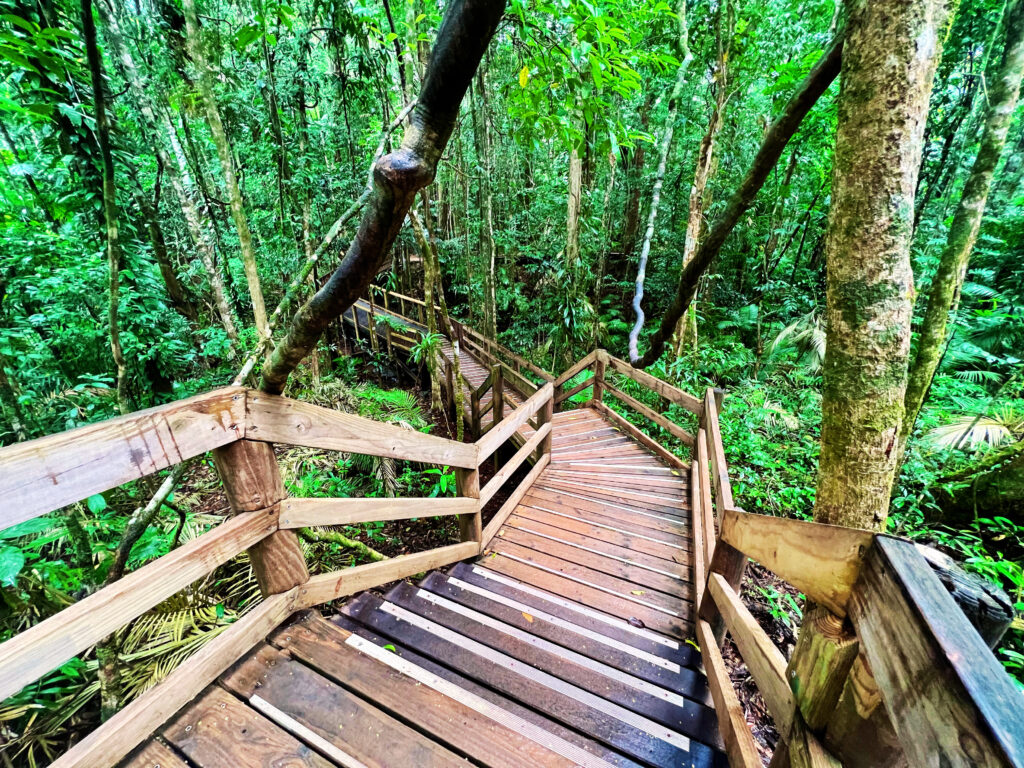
x=599 y=361
x=239 y=426
x=880 y=629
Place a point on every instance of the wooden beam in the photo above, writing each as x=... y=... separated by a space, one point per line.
x=739 y=742
x=501 y=476
x=663 y=388
x=822 y=561
x=633 y=431
x=41 y=475
x=660 y=419
x=506 y=428
x=697 y=530
x=119 y=735
x=719 y=468
x=826 y=648
x=706 y=505
x=573 y=370
x=563 y=395
x=950 y=701
x=276 y=419
x=31 y=654
x=303 y=513
x=331 y=586
x=766 y=663
x=512 y=502
x=467 y=484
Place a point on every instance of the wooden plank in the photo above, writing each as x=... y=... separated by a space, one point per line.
x=706 y=504
x=510 y=504
x=575 y=369
x=31 y=654
x=303 y=513
x=501 y=476
x=663 y=388
x=506 y=428
x=716 y=454
x=950 y=701
x=660 y=419
x=739 y=742
x=634 y=432
x=218 y=729
x=578 y=388
x=469 y=726
x=822 y=561
x=766 y=663
x=155 y=754
x=121 y=733
x=697 y=530
x=338 y=723
x=276 y=419
x=330 y=586
x=50 y=472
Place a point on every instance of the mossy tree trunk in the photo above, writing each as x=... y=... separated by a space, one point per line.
x=1003 y=93
x=889 y=60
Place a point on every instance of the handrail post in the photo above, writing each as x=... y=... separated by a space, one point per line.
x=599 y=370
x=543 y=417
x=467 y=484
x=474 y=413
x=449 y=382
x=252 y=480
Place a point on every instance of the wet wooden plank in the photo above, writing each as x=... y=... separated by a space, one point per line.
x=335 y=721
x=155 y=754
x=668 y=526
x=219 y=730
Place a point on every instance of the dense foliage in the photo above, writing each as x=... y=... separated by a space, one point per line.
x=538 y=215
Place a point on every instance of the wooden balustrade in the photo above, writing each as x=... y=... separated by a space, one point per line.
x=239 y=426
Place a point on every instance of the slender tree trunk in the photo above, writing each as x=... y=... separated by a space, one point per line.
x=30 y=181
x=603 y=258
x=220 y=138
x=465 y=32
x=659 y=179
x=572 y=223
x=1004 y=91
x=109 y=202
x=488 y=252
x=776 y=138
x=889 y=61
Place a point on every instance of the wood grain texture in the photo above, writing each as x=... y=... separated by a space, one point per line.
x=663 y=388
x=155 y=754
x=302 y=513
x=739 y=742
x=506 y=428
x=706 y=503
x=716 y=454
x=41 y=475
x=330 y=586
x=39 y=649
x=822 y=561
x=121 y=733
x=766 y=663
x=949 y=699
x=277 y=419
x=826 y=648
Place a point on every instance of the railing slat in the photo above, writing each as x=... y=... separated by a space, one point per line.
x=672 y=428
x=302 y=513
x=642 y=438
x=330 y=586
x=719 y=468
x=41 y=475
x=501 y=476
x=822 y=561
x=506 y=428
x=950 y=701
x=663 y=388
x=580 y=365
x=562 y=396
x=513 y=501
x=31 y=654
x=765 y=662
x=276 y=419
x=109 y=743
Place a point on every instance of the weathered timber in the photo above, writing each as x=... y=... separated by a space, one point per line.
x=467 y=483
x=825 y=651
x=48 y=473
x=565 y=395
x=276 y=419
x=950 y=701
x=822 y=561
x=580 y=365
x=719 y=468
x=303 y=513
x=39 y=649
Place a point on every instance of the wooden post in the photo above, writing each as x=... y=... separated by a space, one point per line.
x=825 y=650
x=474 y=413
x=355 y=322
x=371 y=322
x=543 y=417
x=467 y=483
x=450 y=385
x=252 y=481
x=498 y=392
x=401 y=304
x=599 y=369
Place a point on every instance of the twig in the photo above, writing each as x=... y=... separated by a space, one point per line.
x=333 y=537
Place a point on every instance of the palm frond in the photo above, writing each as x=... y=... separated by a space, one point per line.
x=970 y=432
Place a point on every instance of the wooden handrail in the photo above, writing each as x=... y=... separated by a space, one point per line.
x=501 y=476
x=663 y=388
x=304 y=513
x=507 y=427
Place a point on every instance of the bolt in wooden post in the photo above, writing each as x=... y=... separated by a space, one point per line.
x=467 y=484
x=600 y=362
x=252 y=481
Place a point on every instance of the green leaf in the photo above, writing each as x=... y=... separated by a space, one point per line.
x=96 y=503
x=11 y=562
x=27 y=528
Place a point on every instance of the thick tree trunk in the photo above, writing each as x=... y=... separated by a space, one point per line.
x=465 y=32
x=1004 y=90
x=775 y=140
x=110 y=216
x=659 y=179
x=220 y=139
x=889 y=60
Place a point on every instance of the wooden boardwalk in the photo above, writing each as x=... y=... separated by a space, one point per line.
x=564 y=643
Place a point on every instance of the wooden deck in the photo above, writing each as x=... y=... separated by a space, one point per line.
x=565 y=643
